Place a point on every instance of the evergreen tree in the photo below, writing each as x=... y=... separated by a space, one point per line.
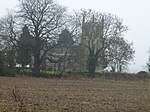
x=65 y=38
x=24 y=47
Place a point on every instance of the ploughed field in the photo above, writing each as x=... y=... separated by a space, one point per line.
x=28 y=94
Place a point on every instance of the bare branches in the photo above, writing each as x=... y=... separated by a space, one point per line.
x=97 y=31
x=8 y=30
x=43 y=16
x=120 y=52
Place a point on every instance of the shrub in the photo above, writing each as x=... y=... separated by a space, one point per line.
x=143 y=75
x=5 y=71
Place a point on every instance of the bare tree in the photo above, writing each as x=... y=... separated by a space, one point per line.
x=97 y=31
x=7 y=30
x=120 y=53
x=7 y=38
x=44 y=19
x=148 y=62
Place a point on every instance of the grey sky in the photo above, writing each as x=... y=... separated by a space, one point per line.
x=135 y=14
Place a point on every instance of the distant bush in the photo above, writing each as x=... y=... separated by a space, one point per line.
x=6 y=71
x=143 y=75
x=117 y=76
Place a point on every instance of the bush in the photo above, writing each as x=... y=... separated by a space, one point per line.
x=9 y=72
x=143 y=75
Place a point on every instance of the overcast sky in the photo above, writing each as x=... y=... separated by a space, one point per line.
x=135 y=14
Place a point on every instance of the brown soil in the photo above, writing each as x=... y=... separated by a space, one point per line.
x=64 y=95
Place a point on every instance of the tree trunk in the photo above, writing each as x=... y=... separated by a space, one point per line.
x=120 y=68
x=92 y=66
x=113 y=69
x=36 y=67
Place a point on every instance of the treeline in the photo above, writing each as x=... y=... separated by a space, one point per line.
x=41 y=36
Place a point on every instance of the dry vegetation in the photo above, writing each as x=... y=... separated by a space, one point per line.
x=65 y=95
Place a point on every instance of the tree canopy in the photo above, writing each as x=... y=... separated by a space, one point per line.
x=43 y=33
